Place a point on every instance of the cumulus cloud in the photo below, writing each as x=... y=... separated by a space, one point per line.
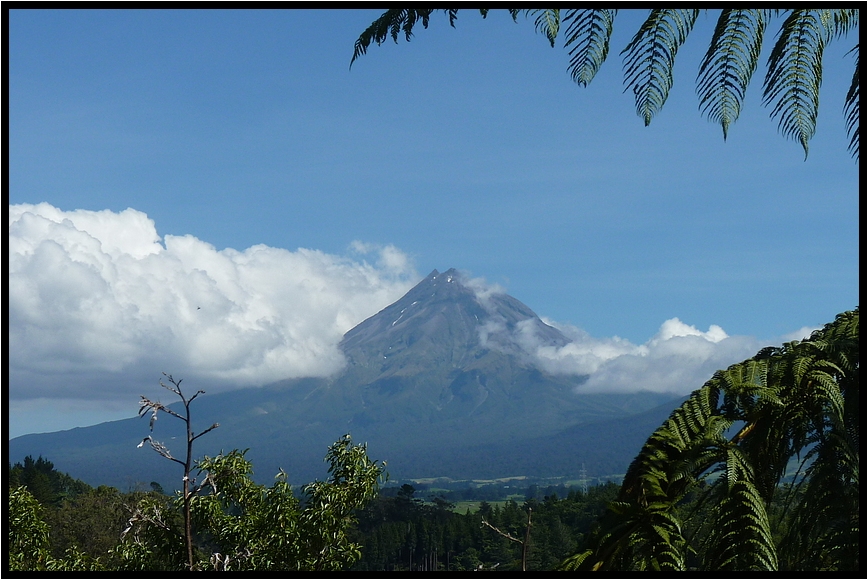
x=99 y=304
x=800 y=334
x=679 y=358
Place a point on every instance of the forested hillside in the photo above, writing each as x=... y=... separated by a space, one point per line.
x=397 y=531
x=402 y=533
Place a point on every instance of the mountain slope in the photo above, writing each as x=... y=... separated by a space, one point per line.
x=438 y=383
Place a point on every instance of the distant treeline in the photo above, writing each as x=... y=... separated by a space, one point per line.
x=397 y=531
x=400 y=532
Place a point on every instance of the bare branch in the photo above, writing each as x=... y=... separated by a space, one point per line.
x=164 y=451
x=209 y=480
x=504 y=534
x=146 y=404
x=137 y=515
x=176 y=385
x=214 y=426
x=174 y=390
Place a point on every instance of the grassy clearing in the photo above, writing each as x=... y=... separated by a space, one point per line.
x=461 y=507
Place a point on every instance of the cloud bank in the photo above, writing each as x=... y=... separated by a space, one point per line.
x=100 y=304
x=678 y=359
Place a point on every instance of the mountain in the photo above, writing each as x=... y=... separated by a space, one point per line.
x=440 y=383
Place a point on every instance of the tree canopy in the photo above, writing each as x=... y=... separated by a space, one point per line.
x=237 y=524
x=794 y=71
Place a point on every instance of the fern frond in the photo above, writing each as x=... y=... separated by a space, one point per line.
x=852 y=108
x=729 y=64
x=650 y=57
x=740 y=537
x=795 y=73
x=800 y=366
x=391 y=23
x=548 y=22
x=824 y=524
x=843 y=21
x=396 y=21
x=575 y=562
x=587 y=38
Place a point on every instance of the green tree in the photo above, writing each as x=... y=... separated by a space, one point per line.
x=28 y=539
x=49 y=486
x=798 y=404
x=240 y=525
x=793 y=76
x=91 y=522
x=27 y=534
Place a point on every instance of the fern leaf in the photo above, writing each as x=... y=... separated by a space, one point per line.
x=548 y=22
x=843 y=21
x=587 y=38
x=391 y=23
x=729 y=64
x=574 y=563
x=852 y=108
x=650 y=57
x=741 y=538
x=794 y=76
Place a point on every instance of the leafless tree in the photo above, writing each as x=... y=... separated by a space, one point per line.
x=154 y=407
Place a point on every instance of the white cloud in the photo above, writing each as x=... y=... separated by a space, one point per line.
x=100 y=304
x=388 y=258
x=800 y=334
x=679 y=358
x=482 y=290
x=584 y=355
x=98 y=307
x=673 y=328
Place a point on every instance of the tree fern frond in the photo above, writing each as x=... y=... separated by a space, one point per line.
x=843 y=21
x=729 y=64
x=738 y=467
x=391 y=23
x=576 y=561
x=799 y=366
x=852 y=109
x=740 y=535
x=650 y=57
x=829 y=394
x=396 y=21
x=587 y=38
x=548 y=22
x=794 y=76
x=825 y=520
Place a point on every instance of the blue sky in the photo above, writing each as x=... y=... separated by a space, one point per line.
x=242 y=142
